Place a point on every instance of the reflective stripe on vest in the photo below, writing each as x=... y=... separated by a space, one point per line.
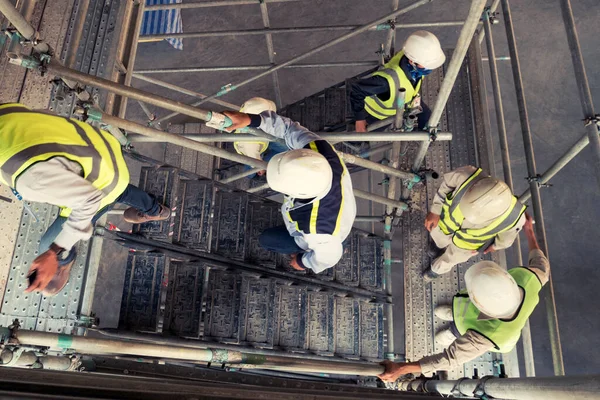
x=475 y=238
x=323 y=215
x=397 y=79
x=263 y=144
x=504 y=334
x=29 y=137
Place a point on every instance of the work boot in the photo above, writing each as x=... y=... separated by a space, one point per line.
x=428 y=275
x=135 y=216
x=61 y=278
x=445 y=337
x=433 y=251
x=443 y=312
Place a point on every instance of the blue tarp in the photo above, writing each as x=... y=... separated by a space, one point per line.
x=163 y=21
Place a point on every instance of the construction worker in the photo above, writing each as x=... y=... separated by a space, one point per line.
x=487 y=316
x=319 y=206
x=471 y=213
x=374 y=98
x=66 y=163
x=259 y=149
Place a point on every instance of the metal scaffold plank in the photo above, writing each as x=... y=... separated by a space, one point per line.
x=184 y=299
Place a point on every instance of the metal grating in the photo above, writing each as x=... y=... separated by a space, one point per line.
x=223 y=307
x=257 y=311
x=184 y=299
x=230 y=222
x=261 y=215
x=321 y=311
x=290 y=325
x=371 y=331
x=347 y=329
x=193 y=217
x=145 y=279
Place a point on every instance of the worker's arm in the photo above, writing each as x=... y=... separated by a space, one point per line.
x=465 y=348
x=56 y=182
x=450 y=181
x=324 y=251
x=362 y=89
x=505 y=239
x=295 y=135
x=538 y=262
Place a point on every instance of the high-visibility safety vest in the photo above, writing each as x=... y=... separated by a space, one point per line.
x=452 y=218
x=503 y=333
x=323 y=215
x=28 y=137
x=382 y=109
x=263 y=144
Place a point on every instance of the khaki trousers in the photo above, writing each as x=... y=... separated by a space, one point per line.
x=452 y=255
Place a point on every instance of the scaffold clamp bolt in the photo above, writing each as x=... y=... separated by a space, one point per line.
x=592 y=120
x=538 y=180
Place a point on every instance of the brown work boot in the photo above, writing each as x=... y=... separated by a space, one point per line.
x=59 y=280
x=135 y=216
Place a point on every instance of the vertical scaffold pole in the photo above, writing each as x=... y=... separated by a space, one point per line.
x=536 y=201
x=464 y=40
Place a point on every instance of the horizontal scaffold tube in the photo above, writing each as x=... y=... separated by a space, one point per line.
x=88 y=345
x=215 y=151
x=332 y=137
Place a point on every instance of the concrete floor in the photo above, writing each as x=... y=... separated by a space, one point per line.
x=553 y=104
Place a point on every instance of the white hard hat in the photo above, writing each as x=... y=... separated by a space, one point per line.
x=486 y=200
x=424 y=48
x=492 y=290
x=250 y=149
x=301 y=173
x=256 y=105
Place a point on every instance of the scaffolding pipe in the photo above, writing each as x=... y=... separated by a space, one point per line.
x=329 y=136
x=182 y=141
x=506 y=166
x=221 y=3
x=20 y=23
x=77 y=32
x=387 y=249
x=180 y=89
x=241 y=175
x=554 y=333
x=255 y=67
x=88 y=345
x=556 y=388
x=386 y=26
x=361 y=194
x=132 y=56
x=464 y=40
x=585 y=95
x=354 y=32
x=559 y=164
x=390 y=39
x=264 y=13
x=368 y=218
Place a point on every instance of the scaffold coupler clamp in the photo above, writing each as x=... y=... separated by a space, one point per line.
x=226 y=89
x=479 y=391
x=456 y=389
x=218 y=121
x=592 y=120
x=538 y=179
x=490 y=15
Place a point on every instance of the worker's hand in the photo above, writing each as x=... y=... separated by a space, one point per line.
x=489 y=249
x=431 y=221
x=528 y=227
x=361 y=126
x=261 y=172
x=239 y=120
x=294 y=263
x=393 y=371
x=42 y=270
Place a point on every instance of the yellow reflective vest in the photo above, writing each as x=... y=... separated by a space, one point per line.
x=382 y=109
x=502 y=332
x=263 y=144
x=28 y=137
x=452 y=218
